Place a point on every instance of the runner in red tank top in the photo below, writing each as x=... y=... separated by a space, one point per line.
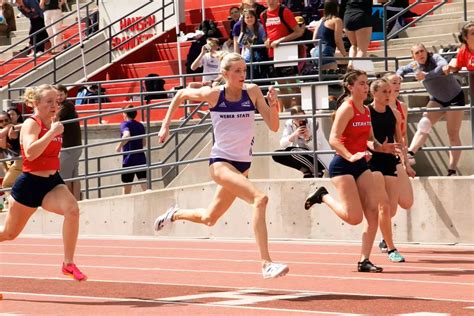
x=351 y=135
x=40 y=183
x=404 y=171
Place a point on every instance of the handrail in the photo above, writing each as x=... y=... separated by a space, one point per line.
x=33 y=37
x=387 y=37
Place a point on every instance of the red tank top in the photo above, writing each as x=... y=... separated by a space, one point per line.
x=357 y=131
x=49 y=158
x=399 y=108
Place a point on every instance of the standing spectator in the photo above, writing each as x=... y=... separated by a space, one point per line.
x=351 y=135
x=251 y=33
x=297 y=136
x=234 y=16
x=7 y=18
x=329 y=31
x=209 y=60
x=232 y=110
x=129 y=128
x=444 y=91
x=52 y=14
x=280 y=25
x=358 y=26
x=32 y=10
x=71 y=138
x=13 y=145
x=465 y=56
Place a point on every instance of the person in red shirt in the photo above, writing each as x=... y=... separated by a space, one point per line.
x=40 y=183
x=351 y=135
x=465 y=56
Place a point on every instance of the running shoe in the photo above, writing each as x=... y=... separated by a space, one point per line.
x=451 y=172
x=165 y=218
x=71 y=270
x=367 y=266
x=395 y=256
x=315 y=197
x=274 y=270
x=383 y=246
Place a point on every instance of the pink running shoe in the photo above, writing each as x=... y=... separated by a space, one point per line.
x=71 y=270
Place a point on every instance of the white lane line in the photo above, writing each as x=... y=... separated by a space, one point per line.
x=291 y=275
x=161 y=301
x=405 y=266
x=201 y=285
x=198 y=249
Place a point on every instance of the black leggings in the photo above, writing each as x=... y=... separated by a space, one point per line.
x=299 y=162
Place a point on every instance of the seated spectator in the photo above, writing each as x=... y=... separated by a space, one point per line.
x=209 y=59
x=298 y=136
x=247 y=5
x=7 y=18
x=94 y=90
x=329 y=31
x=129 y=128
x=445 y=91
x=251 y=33
x=154 y=84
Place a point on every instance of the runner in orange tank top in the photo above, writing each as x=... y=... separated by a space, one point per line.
x=40 y=183
x=351 y=135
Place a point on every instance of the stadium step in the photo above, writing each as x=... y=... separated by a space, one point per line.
x=162 y=68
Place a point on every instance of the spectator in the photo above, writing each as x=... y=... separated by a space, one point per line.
x=329 y=31
x=358 y=26
x=444 y=91
x=251 y=33
x=71 y=138
x=13 y=146
x=280 y=25
x=53 y=14
x=94 y=90
x=129 y=128
x=234 y=16
x=32 y=10
x=7 y=18
x=297 y=136
x=209 y=60
x=247 y=5
x=465 y=56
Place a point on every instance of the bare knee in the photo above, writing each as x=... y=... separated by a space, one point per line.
x=355 y=219
x=261 y=201
x=5 y=235
x=453 y=136
x=385 y=209
x=72 y=211
x=209 y=220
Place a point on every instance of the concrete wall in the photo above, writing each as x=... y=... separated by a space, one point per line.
x=442 y=213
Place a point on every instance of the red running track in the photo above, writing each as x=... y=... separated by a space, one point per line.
x=209 y=277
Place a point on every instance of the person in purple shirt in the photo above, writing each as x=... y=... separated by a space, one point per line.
x=129 y=128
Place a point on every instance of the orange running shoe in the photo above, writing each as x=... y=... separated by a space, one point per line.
x=71 y=270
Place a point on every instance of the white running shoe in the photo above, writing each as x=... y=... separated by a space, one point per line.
x=165 y=218
x=274 y=270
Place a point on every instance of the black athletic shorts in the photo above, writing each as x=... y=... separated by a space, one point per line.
x=340 y=166
x=30 y=189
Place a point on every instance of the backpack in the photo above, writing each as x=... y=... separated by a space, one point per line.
x=157 y=84
x=193 y=53
x=210 y=29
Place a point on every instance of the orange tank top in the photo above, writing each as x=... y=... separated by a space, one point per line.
x=49 y=158
x=357 y=131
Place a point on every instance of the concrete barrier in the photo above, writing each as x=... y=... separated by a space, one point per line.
x=442 y=213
